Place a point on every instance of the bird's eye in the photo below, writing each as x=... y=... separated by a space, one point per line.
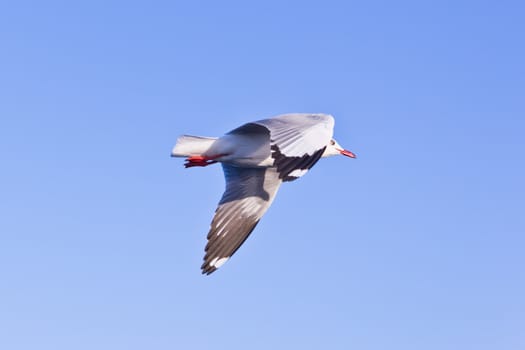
x=332 y=142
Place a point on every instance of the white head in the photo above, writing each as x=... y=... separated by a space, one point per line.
x=334 y=149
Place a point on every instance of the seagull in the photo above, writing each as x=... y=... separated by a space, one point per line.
x=256 y=158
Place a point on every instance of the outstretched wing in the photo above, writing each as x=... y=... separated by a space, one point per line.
x=297 y=141
x=249 y=193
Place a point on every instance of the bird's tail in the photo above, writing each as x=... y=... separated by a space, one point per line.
x=188 y=145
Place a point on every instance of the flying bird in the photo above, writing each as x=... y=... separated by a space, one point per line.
x=256 y=158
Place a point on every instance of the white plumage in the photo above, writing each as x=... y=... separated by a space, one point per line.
x=256 y=158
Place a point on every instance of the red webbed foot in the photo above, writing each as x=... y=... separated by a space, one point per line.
x=201 y=160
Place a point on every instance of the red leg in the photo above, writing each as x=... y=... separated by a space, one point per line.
x=201 y=160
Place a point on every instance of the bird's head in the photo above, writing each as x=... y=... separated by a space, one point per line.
x=334 y=149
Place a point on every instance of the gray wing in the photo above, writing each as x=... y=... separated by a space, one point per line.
x=249 y=193
x=299 y=133
x=297 y=141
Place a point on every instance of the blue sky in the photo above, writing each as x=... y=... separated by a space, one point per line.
x=417 y=244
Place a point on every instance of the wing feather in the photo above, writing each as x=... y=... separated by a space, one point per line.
x=299 y=133
x=249 y=193
x=297 y=141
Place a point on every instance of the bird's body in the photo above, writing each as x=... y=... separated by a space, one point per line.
x=256 y=157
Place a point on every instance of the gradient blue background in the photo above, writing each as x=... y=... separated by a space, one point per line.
x=417 y=244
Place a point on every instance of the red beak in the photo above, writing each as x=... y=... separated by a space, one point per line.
x=344 y=152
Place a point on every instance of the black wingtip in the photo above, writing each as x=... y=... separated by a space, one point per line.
x=208 y=270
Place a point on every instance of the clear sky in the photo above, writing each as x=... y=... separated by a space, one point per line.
x=417 y=244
